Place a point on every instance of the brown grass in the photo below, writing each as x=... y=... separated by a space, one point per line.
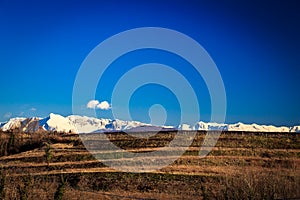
x=241 y=166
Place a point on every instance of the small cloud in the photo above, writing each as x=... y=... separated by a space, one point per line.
x=95 y=104
x=92 y=104
x=8 y=115
x=104 y=105
x=33 y=109
x=21 y=114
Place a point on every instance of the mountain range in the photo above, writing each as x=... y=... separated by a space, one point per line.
x=84 y=124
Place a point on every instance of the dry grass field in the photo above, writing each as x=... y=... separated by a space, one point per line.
x=241 y=166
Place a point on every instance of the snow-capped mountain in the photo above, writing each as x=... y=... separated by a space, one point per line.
x=57 y=123
x=72 y=123
x=87 y=124
x=83 y=124
x=13 y=123
x=53 y=122
x=295 y=129
x=185 y=127
x=260 y=128
x=210 y=126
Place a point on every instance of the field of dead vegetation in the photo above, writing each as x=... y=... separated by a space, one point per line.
x=241 y=166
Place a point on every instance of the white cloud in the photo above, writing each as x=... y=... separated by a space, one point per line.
x=93 y=104
x=8 y=115
x=104 y=105
x=33 y=109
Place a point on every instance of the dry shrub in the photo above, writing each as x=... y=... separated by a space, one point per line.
x=263 y=185
x=17 y=142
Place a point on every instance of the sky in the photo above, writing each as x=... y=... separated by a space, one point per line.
x=254 y=44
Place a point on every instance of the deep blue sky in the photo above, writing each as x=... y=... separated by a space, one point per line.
x=255 y=44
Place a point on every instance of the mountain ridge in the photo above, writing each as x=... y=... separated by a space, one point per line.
x=84 y=124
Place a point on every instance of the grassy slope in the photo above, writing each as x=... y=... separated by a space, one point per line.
x=241 y=166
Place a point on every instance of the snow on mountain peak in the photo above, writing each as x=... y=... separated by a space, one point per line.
x=13 y=123
x=295 y=129
x=84 y=124
x=58 y=123
x=53 y=122
x=186 y=127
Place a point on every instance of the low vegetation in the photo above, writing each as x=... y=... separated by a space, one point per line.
x=241 y=166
